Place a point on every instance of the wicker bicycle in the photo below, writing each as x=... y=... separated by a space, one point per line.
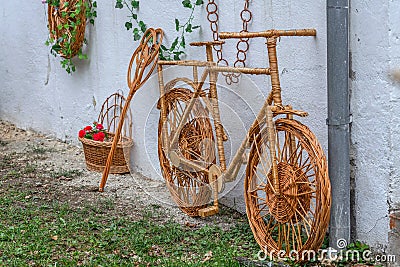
x=286 y=188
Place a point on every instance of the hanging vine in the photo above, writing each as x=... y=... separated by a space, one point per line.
x=67 y=23
x=138 y=27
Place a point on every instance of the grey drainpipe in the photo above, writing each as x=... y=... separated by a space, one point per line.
x=339 y=118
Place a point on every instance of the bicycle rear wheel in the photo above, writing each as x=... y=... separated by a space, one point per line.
x=297 y=219
x=190 y=189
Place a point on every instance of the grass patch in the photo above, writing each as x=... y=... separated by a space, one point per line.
x=38 y=149
x=6 y=161
x=57 y=234
x=13 y=174
x=66 y=173
x=3 y=143
x=29 y=168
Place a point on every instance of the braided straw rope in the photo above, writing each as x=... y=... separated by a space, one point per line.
x=189 y=189
x=298 y=218
x=56 y=19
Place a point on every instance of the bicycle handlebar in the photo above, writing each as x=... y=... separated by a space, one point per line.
x=268 y=33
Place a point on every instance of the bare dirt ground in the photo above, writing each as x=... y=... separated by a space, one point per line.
x=51 y=170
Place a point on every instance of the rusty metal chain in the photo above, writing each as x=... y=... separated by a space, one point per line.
x=213 y=18
x=243 y=44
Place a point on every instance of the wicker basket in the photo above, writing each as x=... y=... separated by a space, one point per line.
x=56 y=18
x=96 y=152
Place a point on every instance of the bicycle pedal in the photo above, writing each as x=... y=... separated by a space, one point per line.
x=209 y=211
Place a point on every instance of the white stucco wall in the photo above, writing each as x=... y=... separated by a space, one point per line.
x=35 y=92
x=375 y=135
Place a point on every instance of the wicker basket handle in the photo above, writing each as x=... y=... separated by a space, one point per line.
x=268 y=33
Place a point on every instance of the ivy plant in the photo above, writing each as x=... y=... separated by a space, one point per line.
x=138 y=27
x=62 y=39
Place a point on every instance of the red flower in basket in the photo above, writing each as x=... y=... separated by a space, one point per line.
x=82 y=133
x=96 y=133
x=99 y=126
x=99 y=136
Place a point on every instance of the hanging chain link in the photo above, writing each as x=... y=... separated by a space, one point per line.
x=213 y=18
x=243 y=44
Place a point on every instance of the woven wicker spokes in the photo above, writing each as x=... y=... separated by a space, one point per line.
x=298 y=217
x=70 y=12
x=190 y=189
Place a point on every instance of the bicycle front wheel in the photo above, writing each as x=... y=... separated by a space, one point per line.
x=294 y=221
x=190 y=189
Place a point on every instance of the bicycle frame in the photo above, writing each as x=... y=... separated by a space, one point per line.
x=272 y=107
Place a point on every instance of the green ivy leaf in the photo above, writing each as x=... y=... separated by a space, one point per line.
x=177 y=55
x=174 y=43
x=136 y=37
x=119 y=4
x=56 y=47
x=142 y=26
x=134 y=16
x=135 y=4
x=199 y=2
x=128 y=25
x=177 y=25
x=161 y=54
x=183 y=43
x=94 y=4
x=186 y=3
x=188 y=28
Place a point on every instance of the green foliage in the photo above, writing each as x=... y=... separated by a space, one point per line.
x=133 y=7
x=66 y=173
x=63 y=45
x=39 y=233
x=358 y=245
x=176 y=50
x=178 y=46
